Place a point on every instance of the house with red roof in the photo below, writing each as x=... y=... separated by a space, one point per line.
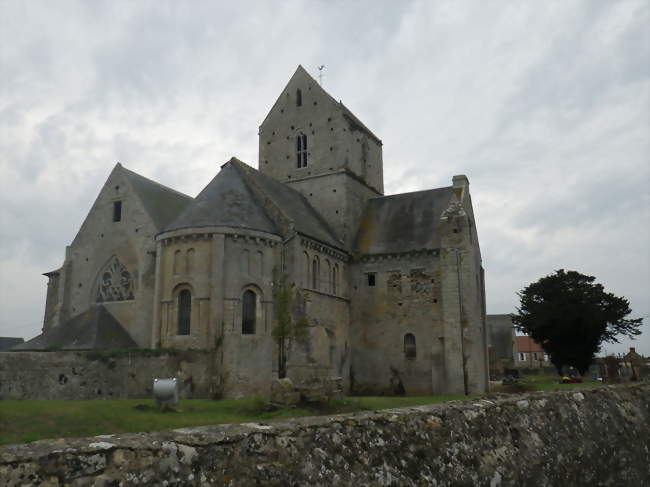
x=530 y=354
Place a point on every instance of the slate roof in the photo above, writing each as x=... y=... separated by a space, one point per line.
x=402 y=222
x=163 y=204
x=527 y=344
x=94 y=329
x=7 y=342
x=305 y=218
x=225 y=201
x=229 y=200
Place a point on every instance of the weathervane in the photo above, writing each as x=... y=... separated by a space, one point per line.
x=320 y=74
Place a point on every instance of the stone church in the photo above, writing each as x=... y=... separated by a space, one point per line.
x=392 y=286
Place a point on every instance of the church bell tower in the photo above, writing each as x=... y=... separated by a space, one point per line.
x=318 y=147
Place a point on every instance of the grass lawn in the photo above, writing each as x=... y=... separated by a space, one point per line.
x=530 y=383
x=552 y=383
x=25 y=421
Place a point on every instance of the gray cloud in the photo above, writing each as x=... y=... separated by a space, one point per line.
x=543 y=106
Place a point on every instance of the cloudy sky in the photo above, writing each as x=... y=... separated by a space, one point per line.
x=545 y=106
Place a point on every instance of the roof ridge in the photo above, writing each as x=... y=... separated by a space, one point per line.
x=251 y=173
x=244 y=170
x=386 y=196
x=130 y=172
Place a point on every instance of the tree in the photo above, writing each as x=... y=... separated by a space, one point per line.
x=290 y=320
x=570 y=316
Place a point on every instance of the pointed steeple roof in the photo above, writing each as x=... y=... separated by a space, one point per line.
x=94 y=329
x=225 y=201
x=301 y=73
x=163 y=204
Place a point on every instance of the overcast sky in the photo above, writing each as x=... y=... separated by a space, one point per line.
x=545 y=106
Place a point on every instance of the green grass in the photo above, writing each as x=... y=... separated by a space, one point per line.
x=25 y=421
x=552 y=383
x=530 y=383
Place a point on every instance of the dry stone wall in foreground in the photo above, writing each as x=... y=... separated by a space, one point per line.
x=586 y=437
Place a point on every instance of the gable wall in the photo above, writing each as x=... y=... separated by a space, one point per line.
x=406 y=298
x=98 y=240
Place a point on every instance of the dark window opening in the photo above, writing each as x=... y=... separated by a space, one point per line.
x=117 y=211
x=298 y=98
x=315 y=273
x=184 y=312
x=248 y=313
x=371 y=279
x=301 y=150
x=410 y=350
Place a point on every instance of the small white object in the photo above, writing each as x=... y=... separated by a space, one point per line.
x=165 y=391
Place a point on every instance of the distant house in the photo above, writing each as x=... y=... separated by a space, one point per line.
x=7 y=343
x=530 y=354
x=634 y=365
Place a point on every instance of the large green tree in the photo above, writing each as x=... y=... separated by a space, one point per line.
x=571 y=315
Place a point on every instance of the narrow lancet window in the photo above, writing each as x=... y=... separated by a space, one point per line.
x=298 y=98
x=184 y=312
x=117 y=211
x=315 y=273
x=248 y=313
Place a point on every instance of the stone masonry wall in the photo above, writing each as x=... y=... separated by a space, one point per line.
x=85 y=375
x=588 y=437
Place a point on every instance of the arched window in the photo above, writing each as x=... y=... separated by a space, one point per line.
x=315 y=273
x=328 y=276
x=298 y=98
x=306 y=281
x=301 y=150
x=410 y=350
x=335 y=276
x=184 y=312
x=248 y=313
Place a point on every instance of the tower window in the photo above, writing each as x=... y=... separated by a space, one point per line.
x=301 y=150
x=117 y=211
x=184 y=312
x=248 y=313
x=298 y=98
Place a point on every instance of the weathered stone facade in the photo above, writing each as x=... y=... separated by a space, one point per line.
x=105 y=375
x=184 y=273
x=588 y=437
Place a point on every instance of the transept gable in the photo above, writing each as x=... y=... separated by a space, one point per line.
x=126 y=195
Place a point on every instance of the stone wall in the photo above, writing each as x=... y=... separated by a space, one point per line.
x=587 y=437
x=87 y=375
